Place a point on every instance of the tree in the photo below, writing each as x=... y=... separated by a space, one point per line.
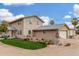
x=51 y=22
x=77 y=27
x=3 y=26
x=74 y=22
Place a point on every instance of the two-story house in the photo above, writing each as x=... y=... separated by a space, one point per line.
x=23 y=27
x=31 y=26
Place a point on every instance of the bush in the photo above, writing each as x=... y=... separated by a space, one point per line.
x=50 y=42
x=68 y=44
x=24 y=44
x=46 y=41
x=5 y=36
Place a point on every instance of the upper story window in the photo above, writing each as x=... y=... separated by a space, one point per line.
x=19 y=22
x=30 y=22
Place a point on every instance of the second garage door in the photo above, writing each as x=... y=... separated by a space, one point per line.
x=63 y=34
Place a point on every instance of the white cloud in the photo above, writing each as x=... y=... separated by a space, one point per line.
x=17 y=16
x=45 y=19
x=15 y=4
x=67 y=17
x=5 y=14
x=76 y=10
x=14 y=17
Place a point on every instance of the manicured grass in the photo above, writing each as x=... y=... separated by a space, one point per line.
x=24 y=44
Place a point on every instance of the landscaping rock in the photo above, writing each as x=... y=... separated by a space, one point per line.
x=67 y=44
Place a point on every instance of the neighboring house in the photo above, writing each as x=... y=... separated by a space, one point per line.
x=52 y=32
x=31 y=26
x=23 y=27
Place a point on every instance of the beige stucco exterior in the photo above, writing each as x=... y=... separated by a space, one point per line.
x=17 y=26
x=65 y=32
x=26 y=26
x=23 y=26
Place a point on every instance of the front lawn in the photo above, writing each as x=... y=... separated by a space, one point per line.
x=24 y=44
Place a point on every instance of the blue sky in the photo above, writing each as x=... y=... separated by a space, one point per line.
x=56 y=11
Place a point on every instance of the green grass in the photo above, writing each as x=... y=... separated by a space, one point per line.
x=24 y=44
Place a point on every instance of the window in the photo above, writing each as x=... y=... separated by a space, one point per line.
x=30 y=22
x=29 y=32
x=19 y=22
x=19 y=32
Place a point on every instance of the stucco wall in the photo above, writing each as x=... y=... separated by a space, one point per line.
x=17 y=27
x=25 y=26
x=34 y=24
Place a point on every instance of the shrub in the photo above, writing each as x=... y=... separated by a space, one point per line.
x=50 y=42
x=5 y=36
x=25 y=44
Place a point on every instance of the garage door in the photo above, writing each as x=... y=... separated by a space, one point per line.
x=63 y=34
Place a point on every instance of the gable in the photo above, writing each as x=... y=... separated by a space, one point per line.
x=36 y=20
x=39 y=19
x=27 y=18
x=32 y=21
x=64 y=27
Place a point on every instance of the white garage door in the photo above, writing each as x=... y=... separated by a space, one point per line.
x=63 y=34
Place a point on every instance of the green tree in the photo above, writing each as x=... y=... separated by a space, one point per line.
x=77 y=27
x=74 y=22
x=3 y=26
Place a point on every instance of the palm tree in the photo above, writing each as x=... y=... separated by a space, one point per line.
x=74 y=22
